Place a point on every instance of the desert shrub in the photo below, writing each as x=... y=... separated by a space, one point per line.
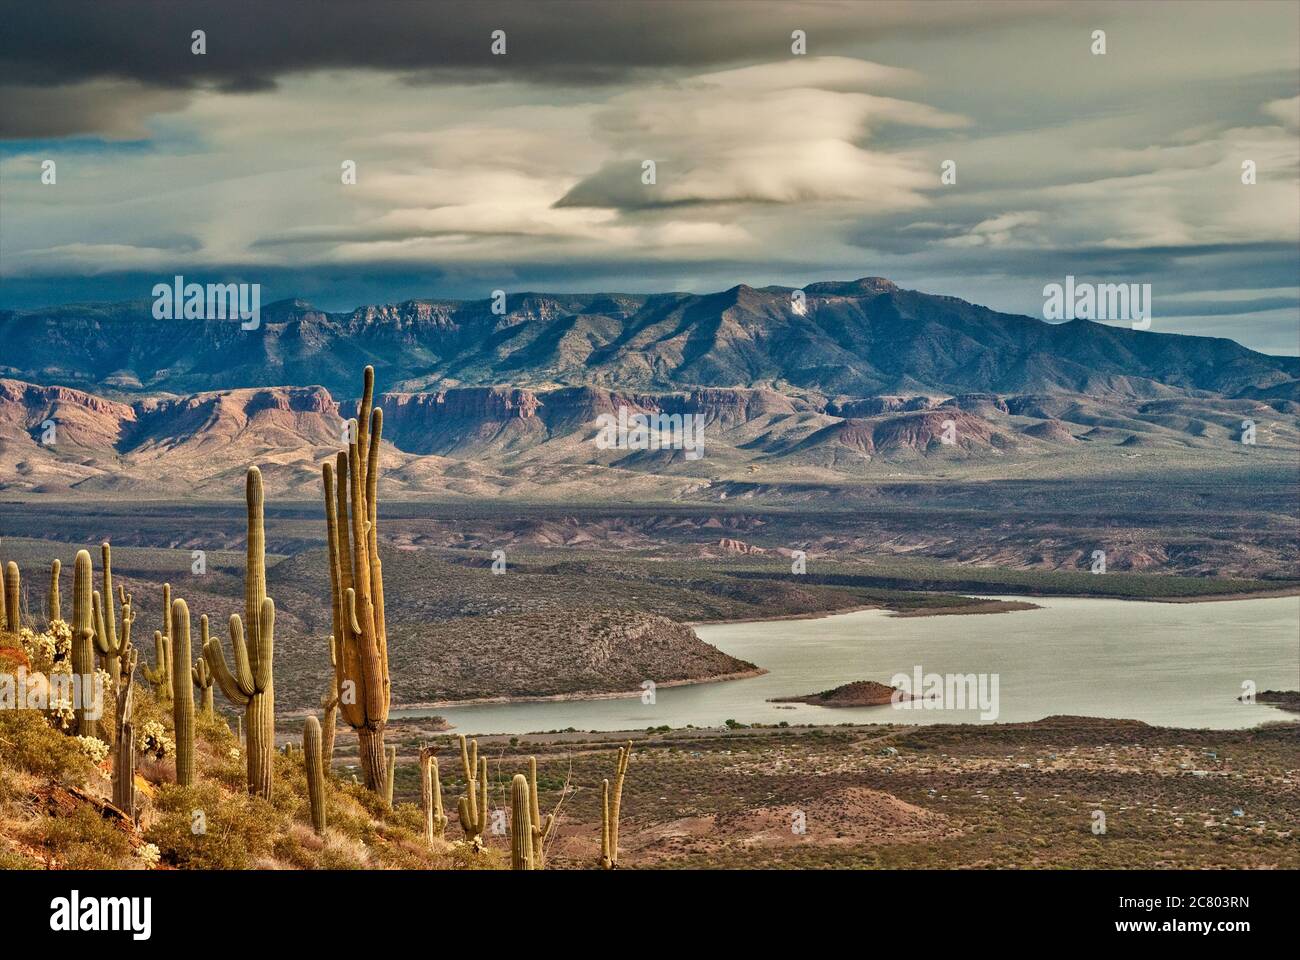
x=81 y=840
x=239 y=829
x=29 y=743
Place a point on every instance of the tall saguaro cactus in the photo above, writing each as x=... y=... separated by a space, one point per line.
x=357 y=586
x=541 y=827
x=472 y=808
x=55 y=611
x=83 y=639
x=182 y=695
x=311 y=755
x=251 y=684
x=161 y=674
x=521 y=825
x=124 y=747
x=435 y=821
x=13 y=612
x=610 y=807
x=107 y=639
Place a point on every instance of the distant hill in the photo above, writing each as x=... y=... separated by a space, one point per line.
x=860 y=339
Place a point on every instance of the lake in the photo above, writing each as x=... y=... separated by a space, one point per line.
x=1172 y=664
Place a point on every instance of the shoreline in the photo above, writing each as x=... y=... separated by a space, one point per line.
x=562 y=697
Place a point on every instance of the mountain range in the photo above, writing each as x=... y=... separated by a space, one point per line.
x=867 y=380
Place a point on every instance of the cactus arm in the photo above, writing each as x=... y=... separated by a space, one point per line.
x=109 y=644
x=230 y=686
x=606 y=860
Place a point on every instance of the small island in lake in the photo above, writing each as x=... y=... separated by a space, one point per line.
x=1282 y=699
x=859 y=693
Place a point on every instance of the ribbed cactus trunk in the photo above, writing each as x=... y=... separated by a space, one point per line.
x=611 y=807
x=200 y=673
x=124 y=748
x=390 y=774
x=161 y=674
x=182 y=695
x=330 y=727
x=251 y=686
x=83 y=641
x=13 y=611
x=55 y=603
x=359 y=645
x=521 y=825
x=313 y=760
x=541 y=825
x=472 y=808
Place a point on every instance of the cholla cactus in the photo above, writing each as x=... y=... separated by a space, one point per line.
x=154 y=741
x=251 y=685
x=472 y=807
x=357 y=586
x=94 y=748
x=435 y=821
x=521 y=826
x=610 y=806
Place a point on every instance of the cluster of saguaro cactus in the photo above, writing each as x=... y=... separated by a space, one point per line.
x=201 y=673
x=435 y=821
x=251 y=684
x=357 y=586
x=610 y=806
x=124 y=745
x=521 y=825
x=472 y=808
x=109 y=640
x=160 y=675
x=182 y=695
x=11 y=608
x=83 y=638
x=54 y=606
x=312 y=760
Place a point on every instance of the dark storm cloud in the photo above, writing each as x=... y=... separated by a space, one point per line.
x=74 y=48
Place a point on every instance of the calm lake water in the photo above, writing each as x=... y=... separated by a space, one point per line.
x=1173 y=664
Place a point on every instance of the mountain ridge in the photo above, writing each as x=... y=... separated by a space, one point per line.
x=859 y=338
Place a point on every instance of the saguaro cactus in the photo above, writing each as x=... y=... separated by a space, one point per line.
x=357 y=586
x=13 y=612
x=55 y=611
x=330 y=707
x=610 y=806
x=390 y=774
x=161 y=674
x=107 y=639
x=124 y=747
x=472 y=807
x=200 y=673
x=541 y=827
x=521 y=825
x=251 y=685
x=435 y=821
x=83 y=638
x=311 y=755
x=182 y=695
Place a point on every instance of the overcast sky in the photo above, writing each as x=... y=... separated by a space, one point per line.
x=524 y=171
